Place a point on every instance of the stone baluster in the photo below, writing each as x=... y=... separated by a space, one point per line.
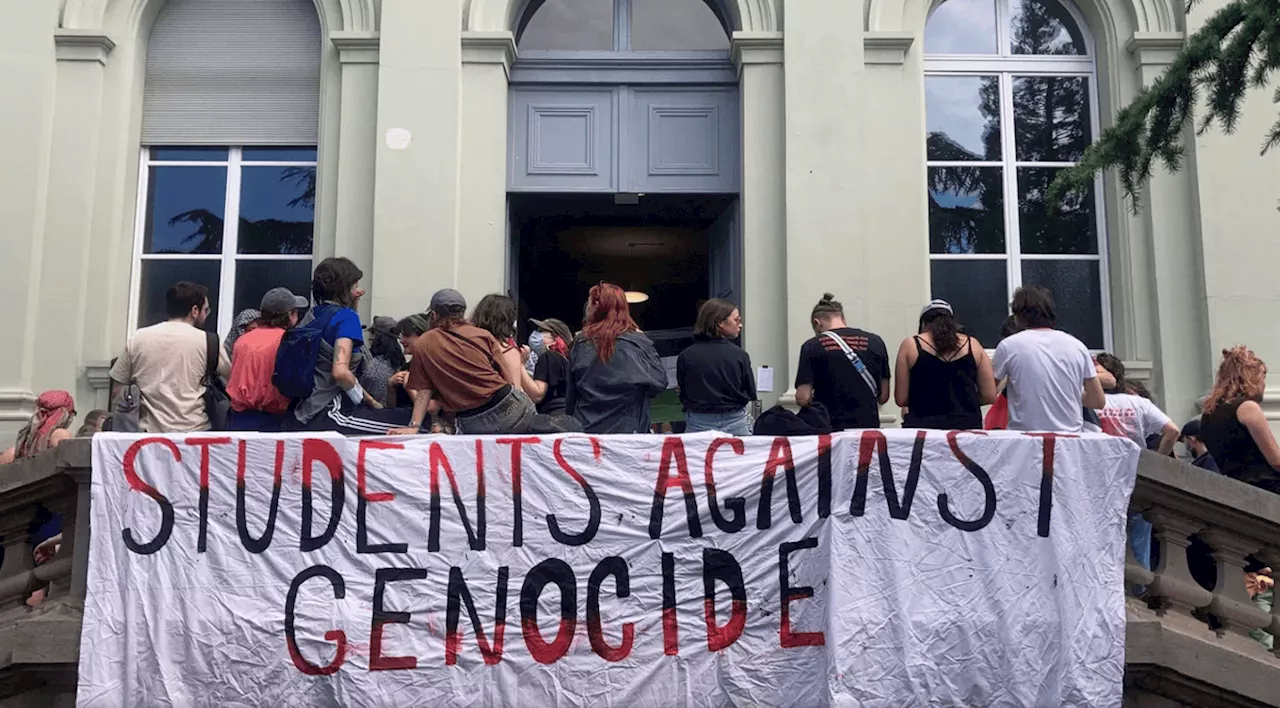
x=1173 y=586
x=1231 y=603
x=15 y=568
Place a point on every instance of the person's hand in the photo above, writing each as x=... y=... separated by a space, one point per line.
x=403 y=431
x=400 y=378
x=373 y=404
x=45 y=552
x=524 y=353
x=1256 y=583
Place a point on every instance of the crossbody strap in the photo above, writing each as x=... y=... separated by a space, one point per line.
x=475 y=344
x=211 y=355
x=853 y=358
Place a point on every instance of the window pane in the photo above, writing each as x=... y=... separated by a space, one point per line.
x=962 y=27
x=966 y=210
x=1072 y=228
x=254 y=278
x=159 y=275
x=184 y=209
x=279 y=154
x=1076 y=292
x=962 y=117
x=189 y=154
x=1051 y=118
x=1044 y=27
x=570 y=24
x=978 y=290
x=662 y=25
x=277 y=210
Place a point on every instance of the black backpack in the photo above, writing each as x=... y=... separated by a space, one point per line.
x=217 y=404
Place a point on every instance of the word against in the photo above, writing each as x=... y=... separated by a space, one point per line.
x=863 y=568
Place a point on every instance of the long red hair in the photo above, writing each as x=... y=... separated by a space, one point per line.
x=608 y=317
x=1241 y=375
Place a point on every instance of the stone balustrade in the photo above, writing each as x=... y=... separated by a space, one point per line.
x=1185 y=645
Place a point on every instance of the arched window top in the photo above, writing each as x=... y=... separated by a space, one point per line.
x=1009 y=28
x=622 y=26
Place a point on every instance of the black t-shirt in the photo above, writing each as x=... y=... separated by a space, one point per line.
x=553 y=369
x=837 y=384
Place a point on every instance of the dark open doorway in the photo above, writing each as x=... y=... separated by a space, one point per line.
x=678 y=250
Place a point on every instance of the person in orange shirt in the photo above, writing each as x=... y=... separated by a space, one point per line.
x=255 y=402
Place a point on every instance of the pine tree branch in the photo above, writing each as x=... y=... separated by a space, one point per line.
x=1236 y=50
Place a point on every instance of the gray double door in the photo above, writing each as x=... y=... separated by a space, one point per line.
x=624 y=139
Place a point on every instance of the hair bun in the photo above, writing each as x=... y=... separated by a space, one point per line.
x=828 y=297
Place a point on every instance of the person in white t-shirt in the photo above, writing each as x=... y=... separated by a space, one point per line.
x=1048 y=372
x=1127 y=415
x=168 y=361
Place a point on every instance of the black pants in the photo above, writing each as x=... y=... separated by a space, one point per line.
x=349 y=419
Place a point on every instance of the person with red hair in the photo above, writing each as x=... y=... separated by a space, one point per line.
x=614 y=370
x=1234 y=427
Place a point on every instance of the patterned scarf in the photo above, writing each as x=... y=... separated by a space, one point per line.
x=54 y=410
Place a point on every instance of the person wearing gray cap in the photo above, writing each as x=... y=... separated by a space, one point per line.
x=459 y=368
x=943 y=375
x=256 y=404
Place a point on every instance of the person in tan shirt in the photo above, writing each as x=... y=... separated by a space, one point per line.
x=167 y=362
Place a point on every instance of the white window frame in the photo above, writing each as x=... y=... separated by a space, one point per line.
x=230 y=234
x=1007 y=66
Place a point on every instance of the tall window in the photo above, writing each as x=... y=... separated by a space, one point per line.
x=622 y=26
x=220 y=202
x=238 y=220
x=1010 y=101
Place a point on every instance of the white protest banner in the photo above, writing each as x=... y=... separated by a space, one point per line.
x=863 y=569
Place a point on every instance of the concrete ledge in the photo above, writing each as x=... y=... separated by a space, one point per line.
x=1182 y=659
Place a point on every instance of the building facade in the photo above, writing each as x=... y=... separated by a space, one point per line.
x=887 y=151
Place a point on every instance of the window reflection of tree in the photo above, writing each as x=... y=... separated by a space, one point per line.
x=263 y=236
x=1051 y=117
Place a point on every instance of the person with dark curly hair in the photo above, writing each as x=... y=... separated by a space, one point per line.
x=338 y=401
x=496 y=314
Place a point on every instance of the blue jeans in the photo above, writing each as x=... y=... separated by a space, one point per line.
x=734 y=422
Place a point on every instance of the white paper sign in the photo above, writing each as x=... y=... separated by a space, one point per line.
x=764 y=380
x=861 y=569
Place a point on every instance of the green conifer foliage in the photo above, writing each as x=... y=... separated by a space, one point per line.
x=1236 y=51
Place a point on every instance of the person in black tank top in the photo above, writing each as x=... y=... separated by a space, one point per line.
x=944 y=377
x=1234 y=427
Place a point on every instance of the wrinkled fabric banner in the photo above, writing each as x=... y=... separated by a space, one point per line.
x=894 y=568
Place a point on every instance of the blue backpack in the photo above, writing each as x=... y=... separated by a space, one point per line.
x=295 y=374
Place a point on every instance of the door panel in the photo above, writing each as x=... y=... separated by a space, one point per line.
x=682 y=141
x=724 y=258
x=562 y=140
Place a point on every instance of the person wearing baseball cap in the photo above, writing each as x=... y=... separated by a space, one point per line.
x=548 y=384
x=1199 y=452
x=459 y=368
x=255 y=402
x=943 y=375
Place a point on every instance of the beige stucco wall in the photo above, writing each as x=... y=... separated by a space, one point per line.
x=833 y=180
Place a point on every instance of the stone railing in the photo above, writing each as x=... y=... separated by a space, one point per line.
x=39 y=647
x=1186 y=643
x=1185 y=646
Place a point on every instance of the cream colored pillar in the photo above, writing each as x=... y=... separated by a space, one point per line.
x=482 y=198
x=1182 y=368
x=27 y=75
x=826 y=245
x=357 y=152
x=894 y=221
x=416 y=200
x=763 y=208
x=68 y=233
